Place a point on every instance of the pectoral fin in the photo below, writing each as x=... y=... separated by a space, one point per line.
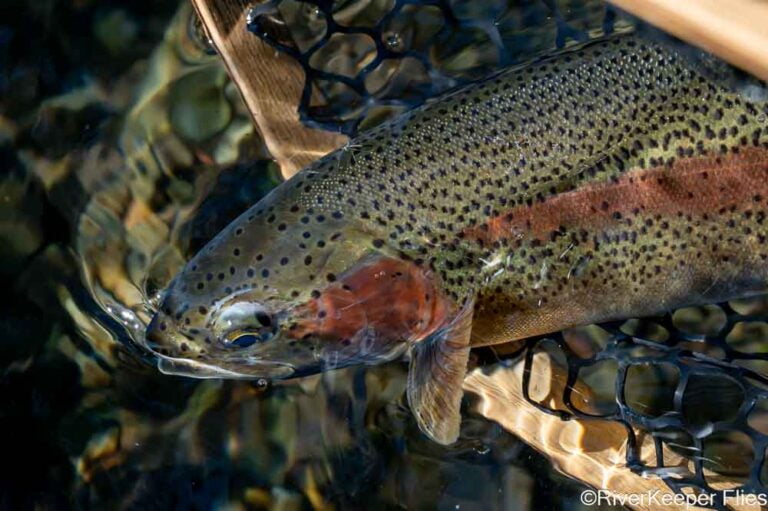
x=438 y=366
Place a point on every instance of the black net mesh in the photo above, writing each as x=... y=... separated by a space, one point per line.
x=366 y=60
x=690 y=382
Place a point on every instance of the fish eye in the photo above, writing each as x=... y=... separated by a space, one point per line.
x=244 y=324
x=249 y=339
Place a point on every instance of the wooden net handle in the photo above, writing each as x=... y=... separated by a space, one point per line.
x=270 y=83
x=734 y=30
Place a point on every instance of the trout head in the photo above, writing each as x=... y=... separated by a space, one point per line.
x=286 y=292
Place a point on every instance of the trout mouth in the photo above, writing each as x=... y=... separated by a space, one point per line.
x=200 y=370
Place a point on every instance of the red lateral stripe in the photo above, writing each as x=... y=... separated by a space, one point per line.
x=689 y=186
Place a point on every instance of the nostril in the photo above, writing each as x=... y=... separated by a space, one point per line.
x=155 y=332
x=264 y=319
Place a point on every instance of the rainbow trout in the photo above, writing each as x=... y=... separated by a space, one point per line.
x=611 y=181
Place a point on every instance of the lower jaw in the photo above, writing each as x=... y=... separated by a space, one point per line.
x=195 y=369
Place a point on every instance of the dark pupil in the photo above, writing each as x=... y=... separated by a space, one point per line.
x=245 y=340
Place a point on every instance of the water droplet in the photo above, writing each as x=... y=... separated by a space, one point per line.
x=393 y=41
x=154 y=299
x=250 y=16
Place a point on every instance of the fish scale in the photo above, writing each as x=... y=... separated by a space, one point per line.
x=613 y=180
x=522 y=137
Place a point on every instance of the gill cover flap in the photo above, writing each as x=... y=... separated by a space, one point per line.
x=435 y=377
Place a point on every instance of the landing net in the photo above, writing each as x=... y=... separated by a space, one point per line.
x=691 y=382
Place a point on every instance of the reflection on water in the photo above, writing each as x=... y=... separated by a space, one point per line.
x=121 y=163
